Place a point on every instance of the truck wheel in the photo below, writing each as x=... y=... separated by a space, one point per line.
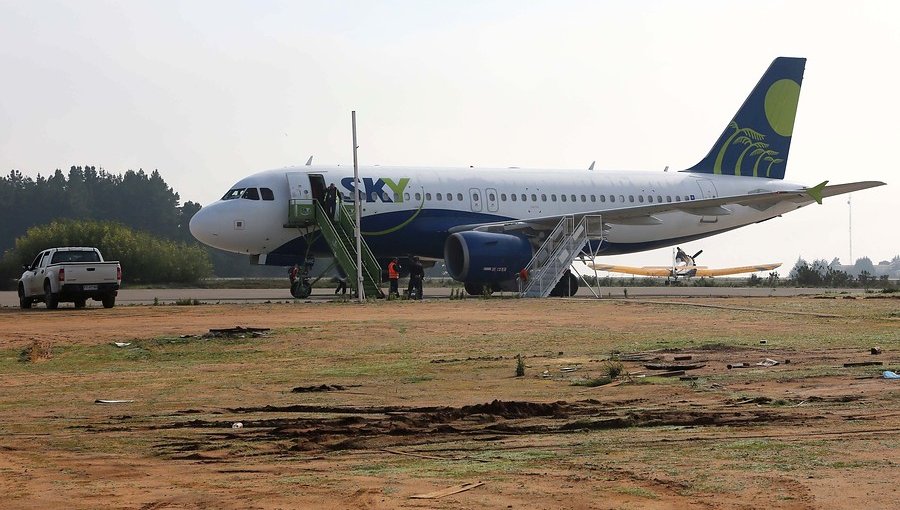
x=24 y=302
x=51 y=299
x=109 y=301
x=80 y=302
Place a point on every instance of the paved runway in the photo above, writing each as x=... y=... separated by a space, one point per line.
x=168 y=296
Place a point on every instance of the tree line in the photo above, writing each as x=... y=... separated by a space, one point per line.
x=140 y=201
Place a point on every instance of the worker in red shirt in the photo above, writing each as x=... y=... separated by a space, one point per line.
x=393 y=276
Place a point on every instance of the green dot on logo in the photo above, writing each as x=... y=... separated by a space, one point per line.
x=781 y=106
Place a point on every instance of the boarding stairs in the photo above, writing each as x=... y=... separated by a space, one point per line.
x=566 y=242
x=339 y=233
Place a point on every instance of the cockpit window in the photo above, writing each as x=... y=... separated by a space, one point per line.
x=251 y=194
x=232 y=194
x=266 y=194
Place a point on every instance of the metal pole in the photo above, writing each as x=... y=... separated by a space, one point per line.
x=850 y=226
x=360 y=292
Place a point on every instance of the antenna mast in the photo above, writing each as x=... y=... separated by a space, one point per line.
x=360 y=292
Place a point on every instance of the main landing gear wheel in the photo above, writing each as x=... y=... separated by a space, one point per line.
x=568 y=280
x=301 y=289
x=477 y=289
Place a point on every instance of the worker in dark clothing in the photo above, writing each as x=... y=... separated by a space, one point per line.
x=341 y=285
x=416 y=275
x=393 y=277
x=331 y=201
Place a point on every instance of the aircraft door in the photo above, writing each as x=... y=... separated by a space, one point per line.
x=317 y=187
x=490 y=196
x=475 y=198
x=707 y=190
x=298 y=183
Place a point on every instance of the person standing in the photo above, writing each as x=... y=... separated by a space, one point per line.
x=393 y=277
x=341 y=285
x=416 y=275
x=330 y=201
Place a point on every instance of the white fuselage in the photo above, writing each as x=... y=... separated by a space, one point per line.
x=409 y=210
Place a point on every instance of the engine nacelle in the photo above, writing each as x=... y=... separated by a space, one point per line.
x=483 y=257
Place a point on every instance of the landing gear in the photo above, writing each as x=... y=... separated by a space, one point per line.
x=478 y=289
x=567 y=286
x=301 y=289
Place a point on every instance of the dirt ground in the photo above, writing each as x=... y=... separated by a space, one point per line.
x=341 y=405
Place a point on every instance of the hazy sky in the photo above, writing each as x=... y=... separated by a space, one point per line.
x=210 y=91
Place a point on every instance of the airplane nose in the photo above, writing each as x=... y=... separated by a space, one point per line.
x=203 y=227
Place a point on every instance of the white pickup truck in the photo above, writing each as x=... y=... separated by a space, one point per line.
x=72 y=274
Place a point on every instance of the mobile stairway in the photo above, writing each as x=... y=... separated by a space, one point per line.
x=565 y=243
x=340 y=236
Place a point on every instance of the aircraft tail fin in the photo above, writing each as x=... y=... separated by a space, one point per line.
x=757 y=140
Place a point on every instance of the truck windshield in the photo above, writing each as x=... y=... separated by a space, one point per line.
x=61 y=257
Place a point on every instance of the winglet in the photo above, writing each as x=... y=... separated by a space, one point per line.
x=816 y=191
x=592 y=165
x=309 y=161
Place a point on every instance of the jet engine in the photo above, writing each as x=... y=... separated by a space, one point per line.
x=485 y=258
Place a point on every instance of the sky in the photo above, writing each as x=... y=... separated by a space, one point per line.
x=208 y=92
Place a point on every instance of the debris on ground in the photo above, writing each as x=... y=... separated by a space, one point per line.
x=889 y=374
x=863 y=364
x=685 y=357
x=737 y=365
x=237 y=425
x=448 y=491
x=763 y=342
x=876 y=350
x=321 y=387
x=673 y=366
x=568 y=369
x=670 y=373
x=237 y=331
x=105 y=401
x=768 y=362
x=121 y=344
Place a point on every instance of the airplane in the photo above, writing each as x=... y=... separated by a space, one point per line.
x=687 y=269
x=486 y=224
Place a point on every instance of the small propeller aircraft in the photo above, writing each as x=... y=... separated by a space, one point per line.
x=683 y=266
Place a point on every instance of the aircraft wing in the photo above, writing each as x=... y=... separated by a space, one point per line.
x=643 y=271
x=735 y=270
x=644 y=214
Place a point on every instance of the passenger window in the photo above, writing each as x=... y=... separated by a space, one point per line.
x=266 y=194
x=251 y=194
x=474 y=197
x=677 y=198
x=583 y=198
x=428 y=196
x=621 y=198
x=459 y=197
x=524 y=197
x=397 y=197
x=562 y=197
x=503 y=197
x=439 y=196
x=513 y=197
x=686 y=198
x=37 y=261
x=612 y=198
x=492 y=197
x=543 y=197
x=449 y=197
x=574 y=198
x=533 y=197
x=593 y=198
x=418 y=197
x=669 y=198
x=631 y=198
x=659 y=198
x=553 y=197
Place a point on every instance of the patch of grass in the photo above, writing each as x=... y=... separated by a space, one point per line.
x=39 y=350
x=637 y=491
x=592 y=383
x=187 y=302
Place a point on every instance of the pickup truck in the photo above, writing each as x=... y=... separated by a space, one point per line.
x=71 y=274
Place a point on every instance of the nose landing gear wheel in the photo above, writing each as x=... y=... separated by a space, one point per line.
x=301 y=289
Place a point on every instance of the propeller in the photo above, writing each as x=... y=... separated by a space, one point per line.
x=697 y=254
